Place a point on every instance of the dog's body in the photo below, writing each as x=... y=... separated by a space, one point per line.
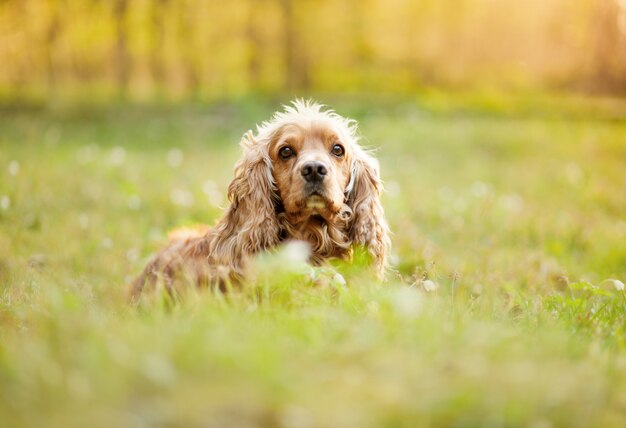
x=303 y=176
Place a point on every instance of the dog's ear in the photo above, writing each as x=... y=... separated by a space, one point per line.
x=368 y=226
x=250 y=224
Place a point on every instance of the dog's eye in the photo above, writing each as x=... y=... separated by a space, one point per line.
x=338 y=150
x=286 y=152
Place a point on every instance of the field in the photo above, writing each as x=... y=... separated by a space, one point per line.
x=513 y=207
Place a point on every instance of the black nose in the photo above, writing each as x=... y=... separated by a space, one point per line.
x=314 y=171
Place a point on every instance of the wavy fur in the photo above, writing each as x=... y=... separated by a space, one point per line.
x=254 y=221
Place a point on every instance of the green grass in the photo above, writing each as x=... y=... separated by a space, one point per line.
x=514 y=208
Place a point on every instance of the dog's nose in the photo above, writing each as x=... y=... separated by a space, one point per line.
x=314 y=171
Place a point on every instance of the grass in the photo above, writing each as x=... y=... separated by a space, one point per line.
x=513 y=208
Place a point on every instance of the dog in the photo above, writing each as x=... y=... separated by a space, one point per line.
x=302 y=176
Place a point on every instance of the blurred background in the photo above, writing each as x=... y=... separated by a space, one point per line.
x=500 y=127
x=195 y=49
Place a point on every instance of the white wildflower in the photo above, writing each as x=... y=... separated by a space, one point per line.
x=446 y=194
x=373 y=308
x=406 y=302
x=429 y=285
x=211 y=189
x=296 y=252
x=481 y=189
x=83 y=221
x=14 y=168
x=297 y=417
x=175 y=158
x=107 y=242
x=5 y=202
x=158 y=369
x=132 y=255
x=392 y=188
x=338 y=280
x=459 y=204
x=511 y=202
x=117 y=156
x=87 y=153
x=619 y=285
x=133 y=202
x=181 y=197
x=573 y=173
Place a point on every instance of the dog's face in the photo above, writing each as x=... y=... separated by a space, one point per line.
x=304 y=176
x=311 y=169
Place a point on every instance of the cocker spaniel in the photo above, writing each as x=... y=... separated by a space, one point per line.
x=303 y=176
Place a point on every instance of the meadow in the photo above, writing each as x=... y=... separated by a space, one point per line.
x=505 y=305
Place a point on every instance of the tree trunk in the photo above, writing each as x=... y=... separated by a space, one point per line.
x=187 y=48
x=157 y=69
x=609 y=56
x=52 y=34
x=296 y=61
x=254 y=46
x=121 y=57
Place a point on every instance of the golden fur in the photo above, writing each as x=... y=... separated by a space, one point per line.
x=272 y=202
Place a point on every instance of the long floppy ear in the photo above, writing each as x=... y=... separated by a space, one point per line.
x=369 y=227
x=250 y=224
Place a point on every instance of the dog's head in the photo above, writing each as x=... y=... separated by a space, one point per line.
x=306 y=164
